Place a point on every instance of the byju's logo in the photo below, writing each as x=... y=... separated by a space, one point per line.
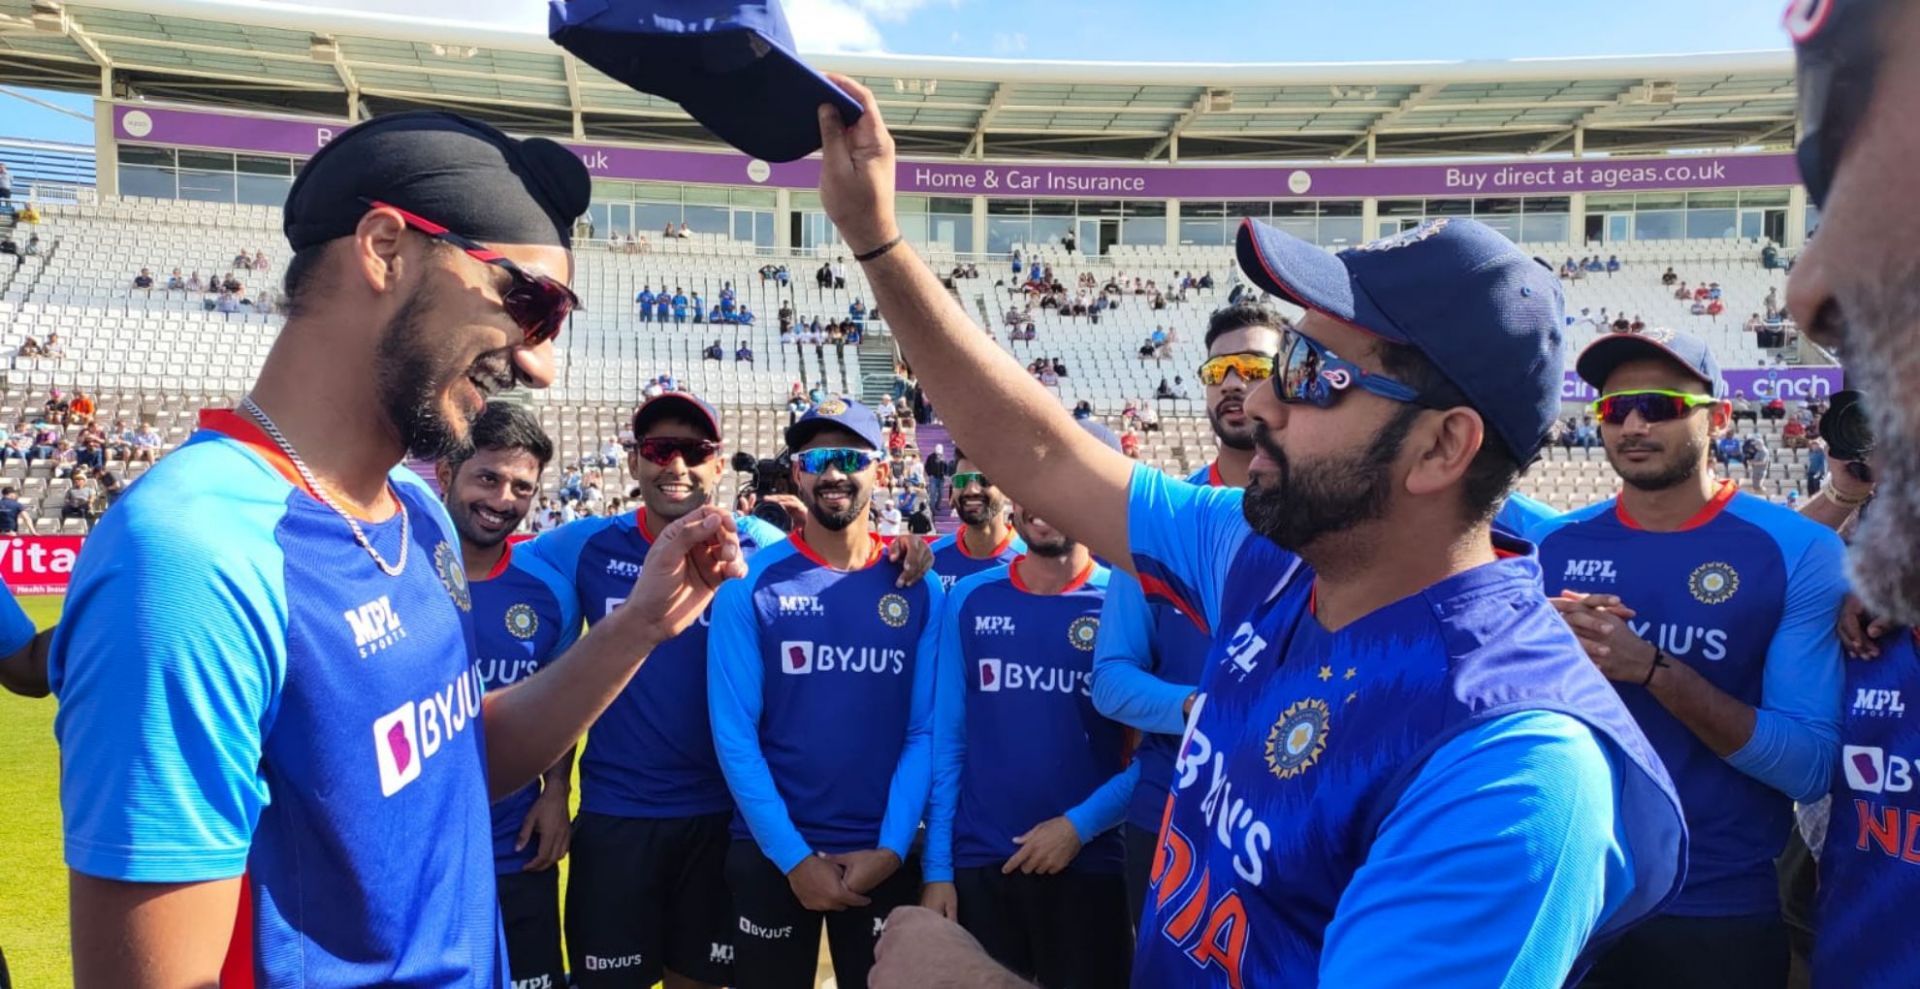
x=397 y=748
x=375 y=626
x=1591 y=571
x=801 y=606
x=993 y=624
x=796 y=657
x=990 y=675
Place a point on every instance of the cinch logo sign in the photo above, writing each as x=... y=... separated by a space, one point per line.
x=375 y=626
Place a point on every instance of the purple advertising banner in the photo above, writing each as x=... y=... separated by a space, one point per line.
x=1761 y=384
x=303 y=136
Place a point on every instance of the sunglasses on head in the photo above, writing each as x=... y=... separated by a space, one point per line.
x=538 y=304
x=845 y=459
x=662 y=449
x=1653 y=404
x=1306 y=373
x=967 y=479
x=1252 y=368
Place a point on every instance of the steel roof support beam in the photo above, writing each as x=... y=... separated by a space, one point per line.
x=977 y=145
x=1414 y=99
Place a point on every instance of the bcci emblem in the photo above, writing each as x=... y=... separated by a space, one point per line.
x=1713 y=583
x=894 y=610
x=831 y=407
x=1298 y=738
x=1082 y=633
x=1658 y=335
x=522 y=622
x=453 y=575
x=1405 y=237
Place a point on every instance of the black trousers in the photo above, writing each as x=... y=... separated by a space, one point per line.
x=530 y=912
x=777 y=943
x=1696 y=953
x=648 y=896
x=1141 y=845
x=1065 y=931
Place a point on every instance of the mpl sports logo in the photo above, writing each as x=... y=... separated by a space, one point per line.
x=1872 y=703
x=623 y=568
x=406 y=737
x=993 y=625
x=375 y=625
x=801 y=606
x=1590 y=571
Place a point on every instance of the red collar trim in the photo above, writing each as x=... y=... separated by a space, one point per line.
x=799 y=540
x=645 y=525
x=239 y=427
x=1079 y=580
x=1214 y=480
x=500 y=566
x=960 y=543
x=1707 y=512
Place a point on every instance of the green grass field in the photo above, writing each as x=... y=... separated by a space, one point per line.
x=33 y=881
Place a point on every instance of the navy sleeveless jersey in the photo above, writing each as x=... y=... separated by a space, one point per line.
x=524 y=617
x=820 y=684
x=650 y=754
x=1870 y=864
x=1019 y=742
x=242 y=690
x=1303 y=741
x=951 y=562
x=1743 y=594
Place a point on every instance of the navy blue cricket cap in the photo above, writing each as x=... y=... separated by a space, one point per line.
x=731 y=64
x=676 y=405
x=1598 y=362
x=842 y=412
x=1485 y=314
x=458 y=172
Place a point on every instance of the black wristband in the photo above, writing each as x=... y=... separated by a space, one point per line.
x=1659 y=660
x=882 y=249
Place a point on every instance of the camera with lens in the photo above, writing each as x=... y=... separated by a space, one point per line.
x=770 y=476
x=1848 y=432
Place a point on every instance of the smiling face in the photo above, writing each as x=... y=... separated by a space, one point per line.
x=491 y=493
x=675 y=488
x=977 y=504
x=836 y=499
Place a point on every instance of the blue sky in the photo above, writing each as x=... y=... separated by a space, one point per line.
x=1164 y=30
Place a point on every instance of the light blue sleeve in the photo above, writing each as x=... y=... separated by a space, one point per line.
x=168 y=666
x=949 y=738
x=913 y=775
x=1124 y=686
x=1106 y=806
x=1493 y=869
x=757 y=534
x=1183 y=538
x=734 y=701
x=1796 y=731
x=560 y=548
x=566 y=599
x=1520 y=515
x=16 y=629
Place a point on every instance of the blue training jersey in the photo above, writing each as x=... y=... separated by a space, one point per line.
x=1746 y=594
x=16 y=629
x=1408 y=779
x=1145 y=666
x=524 y=617
x=820 y=683
x=650 y=755
x=1870 y=864
x=1017 y=741
x=1520 y=515
x=953 y=563
x=243 y=692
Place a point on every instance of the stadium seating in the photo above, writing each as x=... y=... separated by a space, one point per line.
x=161 y=356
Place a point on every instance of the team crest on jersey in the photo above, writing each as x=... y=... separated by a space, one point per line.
x=1082 y=633
x=453 y=575
x=831 y=407
x=522 y=622
x=1405 y=237
x=1298 y=738
x=1713 y=583
x=894 y=610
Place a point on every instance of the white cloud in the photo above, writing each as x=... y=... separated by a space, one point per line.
x=818 y=25
x=1009 y=44
x=834 y=26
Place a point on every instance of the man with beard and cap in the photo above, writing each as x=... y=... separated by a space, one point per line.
x=820 y=672
x=272 y=749
x=984 y=540
x=1029 y=779
x=524 y=617
x=1147 y=663
x=1712 y=611
x=1396 y=738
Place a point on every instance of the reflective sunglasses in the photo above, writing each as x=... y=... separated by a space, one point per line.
x=662 y=449
x=963 y=480
x=1838 y=61
x=1653 y=404
x=538 y=304
x=1252 y=368
x=845 y=459
x=1305 y=373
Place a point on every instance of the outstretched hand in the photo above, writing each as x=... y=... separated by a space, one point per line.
x=689 y=560
x=856 y=171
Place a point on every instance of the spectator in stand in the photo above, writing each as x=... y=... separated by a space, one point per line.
x=1060 y=368
x=1754 y=451
x=92 y=450
x=146 y=445
x=1775 y=409
x=713 y=351
x=1668 y=278
x=896 y=440
x=1613 y=263
x=1793 y=435
x=1715 y=307
x=1149 y=418
x=33 y=245
x=28 y=347
x=1816 y=470
x=1713 y=290
x=1729 y=450
x=9 y=246
x=686 y=232
x=857 y=310
x=1699 y=307
x=53 y=349
x=46 y=442
x=1756 y=326
x=1083 y=409
x=1586 y=435
x=743 y=353
x=1683 y=293
x=1164 y=390
x=728 y=299
x=679 y=305
x=243 y=260
x=143 y=280
x=1048 y=376
x=1130 y=442
x=713 y=316
x=1743 y=408
x=57 y=409
x=82 y=407
x=65 y=458
x=824 y=277
x=1638 y=325
x=745 y=316
x=231 y=284
x=699 y=308
x=1703 y=291
x=1567 y=268
x=797 y=405
x=110 y=487
x=643 y=303
x=260 y=261
x=839 y=273
x=14 y=517
x=228 y=303
x=1620 y=324
x=19 y=443
x=176 y=282
x=195 y=284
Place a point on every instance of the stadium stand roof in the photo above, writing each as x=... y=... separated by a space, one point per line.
x=272 y=55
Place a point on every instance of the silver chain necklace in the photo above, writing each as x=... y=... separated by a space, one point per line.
x=253 y=409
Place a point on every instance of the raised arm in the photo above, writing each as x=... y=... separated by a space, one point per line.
x=1009 y=425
